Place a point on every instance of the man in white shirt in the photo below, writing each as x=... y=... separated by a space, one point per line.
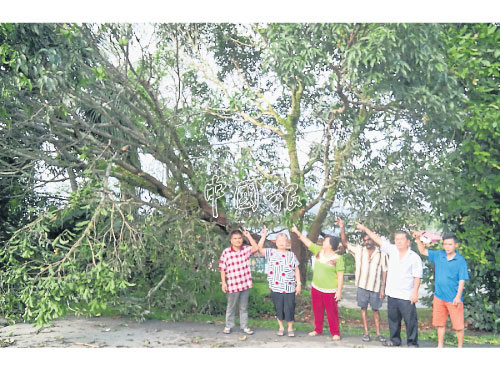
x=403 y=280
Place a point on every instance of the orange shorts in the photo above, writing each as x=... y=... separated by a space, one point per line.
x=440 y=311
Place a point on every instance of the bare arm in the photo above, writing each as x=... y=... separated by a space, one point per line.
x=458 y=299
x=223 y=281
x=306 y=241
x=298 y=288
x=343 y=237
x=260 y=245
x=255 y=247
x=420 y=245
x=374 y=236
x=340 y=284
x=382 y=285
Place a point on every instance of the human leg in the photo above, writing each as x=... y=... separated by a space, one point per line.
x=376 y=318
x=440 y=335
x=460 y=338
x=232 y=300
x=363 y=318
x=318 y=309
x=409 y=313
x=439 y=316
x=278 y=302
x=332 y=313
x=394 y=318
x=244 y=308
x=457 y=321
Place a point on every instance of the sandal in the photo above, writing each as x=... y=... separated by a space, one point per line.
x=313 y=333
x=281 y=332
x=291 y=333
x=366 y=338
x=388 y=343
x=248 y=331
x=336 y=338
x=227 y=330
x=381 y=338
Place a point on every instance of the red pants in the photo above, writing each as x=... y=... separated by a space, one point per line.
x=320 y=302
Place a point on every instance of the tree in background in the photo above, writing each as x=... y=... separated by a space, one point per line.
x=470 y=203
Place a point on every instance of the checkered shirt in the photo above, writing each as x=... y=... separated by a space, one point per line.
x=236 y=264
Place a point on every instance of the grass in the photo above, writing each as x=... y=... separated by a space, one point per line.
x=350 y=321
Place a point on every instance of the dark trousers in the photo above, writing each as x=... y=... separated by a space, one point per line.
x=398 y=309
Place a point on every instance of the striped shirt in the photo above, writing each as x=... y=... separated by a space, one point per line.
x=236 y=264
x=368 y=268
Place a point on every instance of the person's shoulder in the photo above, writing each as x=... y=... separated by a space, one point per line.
x=354 y=247
x=414 y=255
x=226 y=250
x=461 y=257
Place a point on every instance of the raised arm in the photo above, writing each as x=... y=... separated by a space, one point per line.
x=374 y=236
x=255 y=246
x=343 y=237
x=260 y=245
x=303 y=238
x=420 y=245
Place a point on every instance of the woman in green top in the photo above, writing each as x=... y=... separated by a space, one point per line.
x=328 y=279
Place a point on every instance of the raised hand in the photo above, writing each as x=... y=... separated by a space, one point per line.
x=295 y=230
x=416 y=234
x=360 y=226
x=263 y=232
x=340 y=222
x=246 y=233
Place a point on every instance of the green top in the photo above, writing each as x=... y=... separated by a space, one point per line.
x=325 y=275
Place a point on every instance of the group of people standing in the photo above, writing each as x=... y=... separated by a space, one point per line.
x=382 y=268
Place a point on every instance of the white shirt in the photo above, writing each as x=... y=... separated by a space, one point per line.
x=401 y=273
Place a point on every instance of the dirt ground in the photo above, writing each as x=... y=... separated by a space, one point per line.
x=99 y=332
x=119 y=332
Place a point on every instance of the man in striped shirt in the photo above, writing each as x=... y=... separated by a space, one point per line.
x=371 y=274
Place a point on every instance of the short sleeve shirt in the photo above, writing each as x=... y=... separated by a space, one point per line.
x=401 y=272
x=236 y=264
x=281 y=270
x=368 y=268
x=324 y=274
x=448 y=273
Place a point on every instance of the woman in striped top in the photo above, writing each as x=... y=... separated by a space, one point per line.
x=282 y=268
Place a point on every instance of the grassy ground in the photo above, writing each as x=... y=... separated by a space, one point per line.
x=350 y=319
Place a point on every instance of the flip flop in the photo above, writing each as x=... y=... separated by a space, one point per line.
x=366 y=338
x=336 y=338
x=227 y=330
x=248 y=331
x=291 y=333
x=381 y=338
x=313 y=333
x=281 y=332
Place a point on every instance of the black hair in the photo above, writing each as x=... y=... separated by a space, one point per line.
x=237 y=231
x=452 y=236
x=334 y=242
x=402 y=232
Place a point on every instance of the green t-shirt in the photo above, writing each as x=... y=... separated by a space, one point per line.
x=325 y=275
